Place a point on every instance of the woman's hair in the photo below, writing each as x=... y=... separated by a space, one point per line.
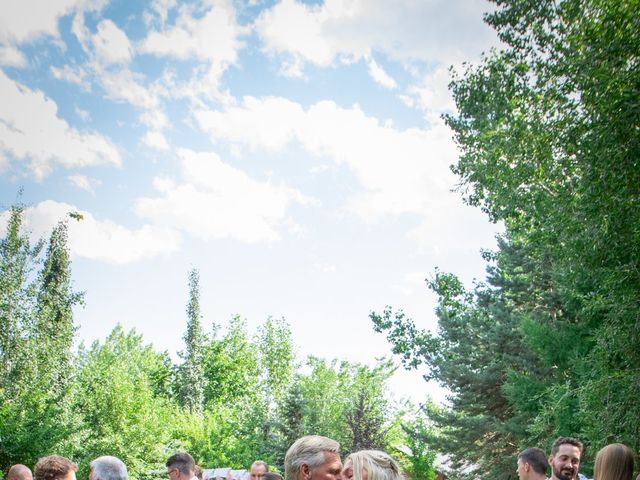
x=378 y=465
x=614 y=462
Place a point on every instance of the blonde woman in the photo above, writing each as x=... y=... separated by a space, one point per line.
x=371 y=465
x=614 y=462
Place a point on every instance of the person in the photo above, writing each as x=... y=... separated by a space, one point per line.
x=313 y=457
x=258 y=469
x=181 y=466
x=532 y=464
x=371 y=465
x=19 y=472
x=198 y=472
x=565 y=458
x=108 y=468
x=272 y=476
x=614 y=462
x=55 y=467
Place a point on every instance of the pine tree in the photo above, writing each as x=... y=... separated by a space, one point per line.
x=193 y=381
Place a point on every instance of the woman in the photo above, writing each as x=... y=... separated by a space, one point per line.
x=614 y=462
x=371 y=465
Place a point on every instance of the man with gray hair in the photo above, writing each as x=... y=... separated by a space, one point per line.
x=108 y=468
x=313 y=458
x=19 y=472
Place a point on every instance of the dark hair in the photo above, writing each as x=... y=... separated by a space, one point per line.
x=183 y=462
x=272 y=476
x=566 y=441
x=53 y=467
x=198 y=472
x=536 y=458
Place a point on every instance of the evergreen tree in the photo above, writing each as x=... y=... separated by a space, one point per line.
x=193 y=381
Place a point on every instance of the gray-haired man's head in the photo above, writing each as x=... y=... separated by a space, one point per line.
x=108 y=468
x=313 y=458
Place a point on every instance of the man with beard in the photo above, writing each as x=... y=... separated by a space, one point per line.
x=565 y=458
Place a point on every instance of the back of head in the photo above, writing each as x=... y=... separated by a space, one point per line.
x=566 y=441
x=536 y=458
x=271 y=476
x=19 y=472
x=614 y=462
x=183 y=462
x=53 y=467
x=379 y=465
x=108 y=468
x=309 y=450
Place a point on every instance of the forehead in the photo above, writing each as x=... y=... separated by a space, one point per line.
x=258 y=469
x=568 y=450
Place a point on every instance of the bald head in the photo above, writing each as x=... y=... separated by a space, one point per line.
x=19 y=472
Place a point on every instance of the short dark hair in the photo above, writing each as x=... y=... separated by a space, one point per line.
x=53 y=467
x=566 y=441
x=183 y=462
x=272 y=476
x=536 y=458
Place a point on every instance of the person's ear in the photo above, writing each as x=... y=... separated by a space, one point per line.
x=306 y=471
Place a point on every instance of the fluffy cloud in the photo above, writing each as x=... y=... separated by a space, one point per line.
x=75 y=75
x=401 y=171
x=31 y=130
x=28 y=19
x=215 y=200
x=155 y=140
x=82 y=182
x=10 y=56
x=111 y=44
x=95 y=239
x=380 y=76
x=405 y=30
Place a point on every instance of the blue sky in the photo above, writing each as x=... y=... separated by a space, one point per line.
x=291 y=151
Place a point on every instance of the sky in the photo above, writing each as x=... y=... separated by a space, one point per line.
x=293 y=152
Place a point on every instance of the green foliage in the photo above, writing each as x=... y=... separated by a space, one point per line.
x=193 y=382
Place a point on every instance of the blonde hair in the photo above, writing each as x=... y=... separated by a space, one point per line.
x=379 y=465
x=614 y=462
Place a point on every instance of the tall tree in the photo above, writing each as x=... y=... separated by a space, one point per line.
x=193 y=381
x=54 y=316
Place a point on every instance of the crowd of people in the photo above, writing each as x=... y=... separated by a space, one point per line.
x=314 y=457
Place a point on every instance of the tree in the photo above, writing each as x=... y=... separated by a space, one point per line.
x=193 y=382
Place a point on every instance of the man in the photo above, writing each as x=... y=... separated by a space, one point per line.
x=19 y=472
x=181 y=466
x=532 y=464
x=55 y=467
x=258 y=469
x=108 y=468
x=565 y=458
x=313 y=458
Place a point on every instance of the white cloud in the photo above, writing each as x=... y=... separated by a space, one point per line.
x=380 y=76
x=216 y=200
x=10 y=56
x=214 y=37
x=431 y=30
x=155 y=119
x=28 y=19
x=125 y=85
x=83 y=182
x=401 y=171
x=95 y=239
x=30 y=129
x=111 y=44
x=431 y=93
x=156 y=140
x=83 y=114
x=71 y=74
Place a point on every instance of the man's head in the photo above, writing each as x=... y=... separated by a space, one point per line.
x=19 y=472
x=532 y=464
x=108 y=468
x=565 y=458
x=55 y=467
x=313 y=458
x=181 y=466
x=258 y=469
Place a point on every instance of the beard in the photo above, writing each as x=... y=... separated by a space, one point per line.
x=567 y=473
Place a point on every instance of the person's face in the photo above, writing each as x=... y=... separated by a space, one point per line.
x=347 y=471
x=257 y=472
x=71 y=475
x=522 y=469
x=330 y=469
x=565 y=463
